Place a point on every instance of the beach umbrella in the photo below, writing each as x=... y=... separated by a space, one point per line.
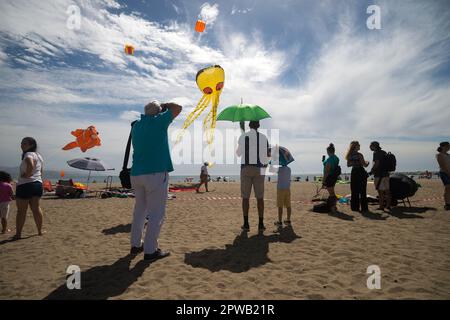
x=90 y=164
x=243 y=112
x=285 y=156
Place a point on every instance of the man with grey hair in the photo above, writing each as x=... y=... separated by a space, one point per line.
x=149 y=176
x=152 y=108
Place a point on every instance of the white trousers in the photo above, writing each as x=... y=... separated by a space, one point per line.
x=151 y=195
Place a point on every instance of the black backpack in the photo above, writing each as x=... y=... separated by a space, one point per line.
x=389 y=162
x=338 y=171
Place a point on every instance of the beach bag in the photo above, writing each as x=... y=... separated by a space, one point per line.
x=337 y=172
x=334 y=176
x=389 y=162
x=124 y=174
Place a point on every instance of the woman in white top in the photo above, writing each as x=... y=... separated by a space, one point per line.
x=29 y=186
x=443 y=158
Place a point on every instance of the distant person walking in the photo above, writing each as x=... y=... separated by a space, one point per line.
x=331 y=172
x=443 y=159
x=150 y=176
x=29 y=188
x=204 y=176
x=6 y=196
x=253 y=148
x=381 y=176
x=358 y=182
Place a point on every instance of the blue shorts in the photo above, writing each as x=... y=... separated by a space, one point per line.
x=29 y=190
x=445 y=178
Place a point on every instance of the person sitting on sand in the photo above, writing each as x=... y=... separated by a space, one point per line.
x=149 y=175
x=330 y=176
x=29 y=188
x=6 y=196
x=203 y=177
x=284 y=194
x=253 y=148
x=443 y=159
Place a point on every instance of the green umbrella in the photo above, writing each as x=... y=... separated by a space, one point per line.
x=243 y=112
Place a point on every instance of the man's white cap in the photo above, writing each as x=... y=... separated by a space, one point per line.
x=152 y=108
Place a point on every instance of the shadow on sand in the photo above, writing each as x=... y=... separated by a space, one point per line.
x=121 y=228
x=103 y=282
x=341 y=215
x=242 y=255
x=373 y=215
x=409 y=212
x=12 y=239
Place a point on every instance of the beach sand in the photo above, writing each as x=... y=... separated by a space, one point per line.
x=320 y=257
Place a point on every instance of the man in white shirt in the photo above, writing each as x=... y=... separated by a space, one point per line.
x=253 y=148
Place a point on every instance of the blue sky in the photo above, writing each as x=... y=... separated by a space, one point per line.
x=313 y=65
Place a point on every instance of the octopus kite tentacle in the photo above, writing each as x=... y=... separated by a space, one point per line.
x=209 y=131
x=201 y=106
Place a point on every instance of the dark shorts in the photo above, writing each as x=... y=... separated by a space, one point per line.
x=29 y=190
x=445 y=178
x=203 y=178
x=330 y=181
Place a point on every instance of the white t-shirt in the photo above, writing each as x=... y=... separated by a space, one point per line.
x=204 y=170
x=36 y=174
x=253 y=147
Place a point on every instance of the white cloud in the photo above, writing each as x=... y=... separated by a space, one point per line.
x=235 y=10
x=209 y=13
x=130 y=115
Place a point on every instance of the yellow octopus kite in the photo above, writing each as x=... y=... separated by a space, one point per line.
x=210 y=81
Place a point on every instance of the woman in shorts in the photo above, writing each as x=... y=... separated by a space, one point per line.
x=330 y=176
x=29 y=186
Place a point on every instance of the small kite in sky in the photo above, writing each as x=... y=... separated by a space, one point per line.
x=129 y=49
x=200 y=26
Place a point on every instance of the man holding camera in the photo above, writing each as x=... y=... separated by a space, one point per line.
x=149 y=176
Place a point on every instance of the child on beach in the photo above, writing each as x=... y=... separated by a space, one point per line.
x=6 y=196
x=284 y=194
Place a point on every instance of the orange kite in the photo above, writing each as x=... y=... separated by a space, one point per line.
x=85 y=139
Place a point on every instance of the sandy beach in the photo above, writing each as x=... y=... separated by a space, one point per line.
x=320 y=257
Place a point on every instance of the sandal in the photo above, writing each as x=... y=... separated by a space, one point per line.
x=287 y=222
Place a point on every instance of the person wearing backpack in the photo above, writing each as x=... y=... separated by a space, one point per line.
x=331 y=172
x=443 y=159
x=381 y=175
